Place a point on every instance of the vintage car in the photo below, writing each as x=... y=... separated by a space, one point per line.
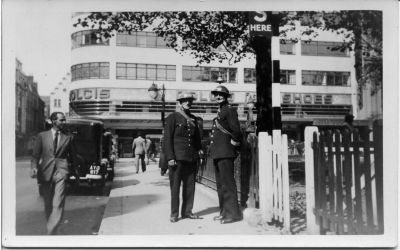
x=94 y=151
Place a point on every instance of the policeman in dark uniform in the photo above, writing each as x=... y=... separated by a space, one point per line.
x=225 y=137
x=182 y=144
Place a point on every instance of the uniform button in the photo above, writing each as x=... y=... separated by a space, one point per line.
x=212 y=142
x=189 y=145
x=212 y=135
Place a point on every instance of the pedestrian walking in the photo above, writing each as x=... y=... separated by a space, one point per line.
x=52 y=151
x=225 y=138
x=182 y=146
x=148 y=149
x=139 y=151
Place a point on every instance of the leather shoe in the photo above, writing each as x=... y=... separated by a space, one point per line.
x=226 y=221
x=191 y=216
x=218 y=217
x=173 y=219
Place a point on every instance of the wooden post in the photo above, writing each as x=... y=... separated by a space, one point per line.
x=285 y=183
x=312 y=227
x=265 y=175
x=277 y=165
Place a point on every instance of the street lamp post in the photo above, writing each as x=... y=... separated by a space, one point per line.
x=153 y=92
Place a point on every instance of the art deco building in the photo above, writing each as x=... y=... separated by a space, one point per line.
x=110 y=81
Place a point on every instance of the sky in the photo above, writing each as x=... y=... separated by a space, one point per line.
x=42 y=33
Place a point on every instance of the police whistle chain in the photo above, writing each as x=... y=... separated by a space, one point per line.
x=223 y=130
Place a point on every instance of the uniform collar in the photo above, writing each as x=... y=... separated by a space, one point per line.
x=223 y=104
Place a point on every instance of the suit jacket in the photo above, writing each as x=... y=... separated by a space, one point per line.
x=182 y=139
x=47 y=161
x=138 y=146
x=220 y=143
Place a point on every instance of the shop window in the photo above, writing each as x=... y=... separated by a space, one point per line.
x=208 y=74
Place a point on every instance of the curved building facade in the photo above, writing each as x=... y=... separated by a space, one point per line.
x=110 y=81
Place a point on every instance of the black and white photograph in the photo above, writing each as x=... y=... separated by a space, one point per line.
x=200 y=123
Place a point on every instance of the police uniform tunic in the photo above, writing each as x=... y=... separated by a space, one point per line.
x=223 y=154
x=181 y=143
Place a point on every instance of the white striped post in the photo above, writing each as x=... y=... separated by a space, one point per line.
x=276 y=75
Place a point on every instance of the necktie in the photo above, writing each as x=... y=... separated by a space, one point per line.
x=55 y=142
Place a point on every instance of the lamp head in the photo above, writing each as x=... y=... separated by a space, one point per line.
x=153 y=91
x=219 y=79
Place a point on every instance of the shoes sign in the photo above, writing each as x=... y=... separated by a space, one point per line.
x=259 y=24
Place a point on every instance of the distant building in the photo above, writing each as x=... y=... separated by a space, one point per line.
x=29 y=111
x=46 y=100
x=59 y=97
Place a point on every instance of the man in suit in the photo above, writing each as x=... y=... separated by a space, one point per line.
x=225 y=137
x=149 y=148
x=182 y=145
x=139 y=151
x=52 y=152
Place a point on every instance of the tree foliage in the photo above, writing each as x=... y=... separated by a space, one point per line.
x=198 y=33
x=362 y=33
x=202 y=33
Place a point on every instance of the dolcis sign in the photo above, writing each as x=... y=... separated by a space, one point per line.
x=259 y=24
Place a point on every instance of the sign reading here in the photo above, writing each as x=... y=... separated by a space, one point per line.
x=259 y=24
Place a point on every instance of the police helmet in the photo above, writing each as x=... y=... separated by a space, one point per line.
x=221 y=90
x=186 y=96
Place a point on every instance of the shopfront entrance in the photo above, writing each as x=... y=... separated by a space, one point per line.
x=126 y=137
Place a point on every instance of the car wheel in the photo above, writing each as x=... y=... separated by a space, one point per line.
x=100 y=186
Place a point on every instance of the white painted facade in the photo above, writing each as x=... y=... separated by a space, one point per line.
x=59 y=97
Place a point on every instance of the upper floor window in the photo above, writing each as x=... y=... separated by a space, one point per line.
x=94 y=70
x=250 y=76
x=318 y=48
x=136 y=71
x=140 y=39
x=87 y=37
x=57 y=103
x=329 y=78
x=208 y=74
x=288 y=77
x=287 y=47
